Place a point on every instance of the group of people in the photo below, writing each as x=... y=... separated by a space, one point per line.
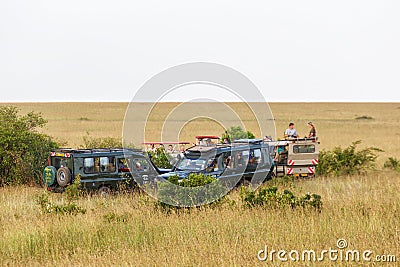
x=292 y=133
x=169 y=150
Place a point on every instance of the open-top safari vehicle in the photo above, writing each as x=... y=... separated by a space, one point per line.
x=297 y=157
x=245 y=158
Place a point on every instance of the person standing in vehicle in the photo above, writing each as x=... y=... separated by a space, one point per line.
x=291 y=131
x=170 y=149
x=313 y=132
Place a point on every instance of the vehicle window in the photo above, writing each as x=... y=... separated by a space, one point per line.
x=239 y=160
x=123 y=165
x=58 y=162
x=141 y=165
x=212 y=165
x=191 y=164
x=257 y=156
x=88 y=165
x=304 y=149
x=107 y=164
x=226 y=159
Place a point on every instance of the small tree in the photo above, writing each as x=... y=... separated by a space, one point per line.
x=347 y=161
x=24 y=150
x=100 y=142
x=236 y=132
x=160 y=158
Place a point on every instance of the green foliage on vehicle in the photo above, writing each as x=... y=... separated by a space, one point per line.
x=347 y=161
x=24 y=151
x=236 y=132
x=270 y=197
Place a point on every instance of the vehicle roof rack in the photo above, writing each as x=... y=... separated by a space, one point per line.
x=96 y=150
x=248 y=141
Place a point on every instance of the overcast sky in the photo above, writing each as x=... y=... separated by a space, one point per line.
x=292 y=50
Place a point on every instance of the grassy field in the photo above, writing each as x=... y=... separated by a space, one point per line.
x=336 y=123
x=127 y=229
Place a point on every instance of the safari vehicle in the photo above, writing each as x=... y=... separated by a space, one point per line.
x=99 y=169
x=297 y=157
x=245 y=157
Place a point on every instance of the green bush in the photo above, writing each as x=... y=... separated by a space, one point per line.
x=160 y=158
x=364 y=117
x=202 y=189
x=70 y=207
x=270 y=197
x=347 y=161
x=236 y=132
x=392 y=163
x=24 y=151
x=100 y=142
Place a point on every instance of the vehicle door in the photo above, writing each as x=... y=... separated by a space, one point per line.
x=142 y=170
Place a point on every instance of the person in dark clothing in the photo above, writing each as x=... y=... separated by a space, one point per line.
x=313 y=132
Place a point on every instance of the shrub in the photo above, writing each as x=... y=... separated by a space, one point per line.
x=392 y=163
x=236 y=132
x=84 y=119
x=24 y=151
x=201 y=189
x=70 y=207
x=160 y=158
x=73 y=191
x=100 y=142
x=364 y=117
x=347 y=161
x=270 y=197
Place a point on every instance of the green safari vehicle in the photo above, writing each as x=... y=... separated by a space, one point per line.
x=99 y=169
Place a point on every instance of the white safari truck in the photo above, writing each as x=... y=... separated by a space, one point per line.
x=296 y=157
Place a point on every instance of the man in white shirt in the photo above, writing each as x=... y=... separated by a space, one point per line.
x=291 y=131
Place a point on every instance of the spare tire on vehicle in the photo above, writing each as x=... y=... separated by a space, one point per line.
x=63 y=176
x=49 y=175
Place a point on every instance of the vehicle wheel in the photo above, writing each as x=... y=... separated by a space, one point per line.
x=63 y=176
x=104 y=191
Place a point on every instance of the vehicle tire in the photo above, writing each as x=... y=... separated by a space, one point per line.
x=104 y=191
x=63 y=176
x=49 y=175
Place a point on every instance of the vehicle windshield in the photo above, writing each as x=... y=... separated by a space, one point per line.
x=187 y=164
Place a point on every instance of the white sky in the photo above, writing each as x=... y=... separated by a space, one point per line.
x=292 y=50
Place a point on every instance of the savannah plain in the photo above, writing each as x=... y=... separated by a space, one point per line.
x=127 y=229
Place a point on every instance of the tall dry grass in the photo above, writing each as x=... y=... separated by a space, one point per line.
x=126 y=229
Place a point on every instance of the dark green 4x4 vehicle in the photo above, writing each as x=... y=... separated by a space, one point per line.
x=99 y=169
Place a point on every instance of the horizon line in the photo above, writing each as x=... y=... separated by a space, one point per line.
x=127 y=102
